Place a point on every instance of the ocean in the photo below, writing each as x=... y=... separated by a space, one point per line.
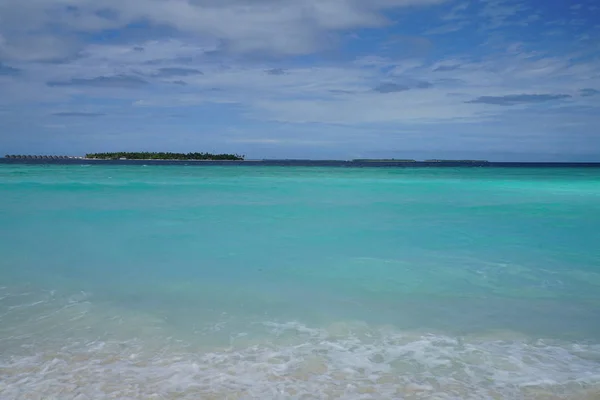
x=294 y=282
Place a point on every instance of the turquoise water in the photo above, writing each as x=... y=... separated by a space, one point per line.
x=132 y=282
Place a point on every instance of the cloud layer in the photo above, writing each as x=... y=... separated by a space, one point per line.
x=341 y=76
x=176 y=72
x=8 y=70
x=78 y=114
x=285 y=27
x=116 y=81
x=515 y=99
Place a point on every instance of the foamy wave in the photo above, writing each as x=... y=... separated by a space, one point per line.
x=69 y=348
x=296 y=361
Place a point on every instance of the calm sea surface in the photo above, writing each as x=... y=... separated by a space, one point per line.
x=242 y=282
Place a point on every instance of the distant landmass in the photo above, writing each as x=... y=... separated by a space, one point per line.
x=164 y=156
x=206 y=159
x=381 y=160
x=457 y=161
x=415 y=161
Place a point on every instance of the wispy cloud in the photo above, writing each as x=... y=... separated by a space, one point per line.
x=455 y=19
x=171 y=72
x=78 y=114
x=514 y=99
x=447 y=28
x=117 y=81
x=8 y=70
x=502 y=13
x=588 y=92
x=457 y=12
x=389 y=87
x=446 y=68
x=424 y=85
x=402 y=84
x=275 y=71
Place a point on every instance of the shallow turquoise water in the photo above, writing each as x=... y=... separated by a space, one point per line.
x=279 y=282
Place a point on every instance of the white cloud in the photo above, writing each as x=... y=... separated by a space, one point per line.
x=398 y=108
x=284 y=141
x=447 y=28
x=243 y=26
x=332 y=94
x=28 y=47
x=436 y=92
x=500 y=13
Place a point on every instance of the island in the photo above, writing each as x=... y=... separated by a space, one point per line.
x=164 y=156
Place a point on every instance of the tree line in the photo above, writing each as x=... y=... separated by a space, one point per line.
x=164 y=156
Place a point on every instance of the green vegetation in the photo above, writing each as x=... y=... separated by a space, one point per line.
x=164 y=156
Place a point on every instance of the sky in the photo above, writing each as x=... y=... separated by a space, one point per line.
x=502 y=80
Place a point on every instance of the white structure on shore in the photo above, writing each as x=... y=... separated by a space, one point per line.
x=40 y=157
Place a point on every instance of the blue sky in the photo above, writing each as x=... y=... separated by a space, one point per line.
x=485 y=79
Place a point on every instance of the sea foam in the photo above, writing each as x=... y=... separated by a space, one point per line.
x=114 y=356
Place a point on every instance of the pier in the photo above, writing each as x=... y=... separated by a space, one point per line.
x=39 y=157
